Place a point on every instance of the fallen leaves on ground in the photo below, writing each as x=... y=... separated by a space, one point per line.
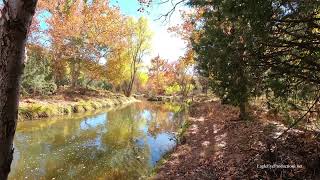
x=220 y=146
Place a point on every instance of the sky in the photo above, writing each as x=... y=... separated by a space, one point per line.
x=164 y=43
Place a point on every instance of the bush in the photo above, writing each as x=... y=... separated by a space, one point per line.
x=37 y=77
x=104 y=85
x=173 y=89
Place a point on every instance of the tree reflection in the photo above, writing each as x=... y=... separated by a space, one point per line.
x=115 y=144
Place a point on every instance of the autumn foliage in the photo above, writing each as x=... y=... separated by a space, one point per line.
x=91 y=44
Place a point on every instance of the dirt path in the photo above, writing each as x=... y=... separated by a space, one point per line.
x=219 y=146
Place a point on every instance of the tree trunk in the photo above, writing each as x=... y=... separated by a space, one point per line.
x=243 y=111
x=129 y=87
x=243 y=92
x=15 y=20
x=75 y=72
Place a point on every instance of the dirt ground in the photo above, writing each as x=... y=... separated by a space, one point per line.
x=220 y=146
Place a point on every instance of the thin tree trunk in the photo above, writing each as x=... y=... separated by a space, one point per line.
x=129 y=88
x=15 y=20
x=243 y=111
x=75 y=72
x=130 y=85
x=243 y=89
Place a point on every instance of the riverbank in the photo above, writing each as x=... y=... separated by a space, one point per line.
x=220 y=146
x=66 y=102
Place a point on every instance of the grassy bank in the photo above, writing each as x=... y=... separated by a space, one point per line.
x=67 y=102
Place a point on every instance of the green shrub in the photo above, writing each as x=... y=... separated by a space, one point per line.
x=173 y=89
x=37 y=77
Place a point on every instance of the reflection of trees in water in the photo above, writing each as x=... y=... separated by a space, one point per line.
x=128 y=160
x=165 y=118
x=118 y=148
x=43 y=152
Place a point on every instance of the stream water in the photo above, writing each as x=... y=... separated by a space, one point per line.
x=119 y=144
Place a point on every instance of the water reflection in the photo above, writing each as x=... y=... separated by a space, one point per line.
x=119 y=144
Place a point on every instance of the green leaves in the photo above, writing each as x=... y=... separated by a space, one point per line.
x=37 y=77
x=249 y=48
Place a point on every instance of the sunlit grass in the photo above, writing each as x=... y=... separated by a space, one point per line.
x=36 y=110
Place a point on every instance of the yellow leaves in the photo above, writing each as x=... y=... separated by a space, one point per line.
x=94 y=71
x=316 y=30
x=82 y=30
x=188 y=59
x=139 y=35
x=118 y=69
x=92 y=31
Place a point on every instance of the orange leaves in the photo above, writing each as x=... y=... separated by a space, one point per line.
x=178 y=75
x=86 y=31
x=185 y=29
x=161 y=75
x=81 y=29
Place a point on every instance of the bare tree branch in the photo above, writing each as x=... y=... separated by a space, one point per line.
x=301 y=118
x=167 y=16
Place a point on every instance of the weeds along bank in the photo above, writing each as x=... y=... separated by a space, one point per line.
x=30 y=108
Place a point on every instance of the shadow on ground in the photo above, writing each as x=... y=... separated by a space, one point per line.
x=220 y=146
